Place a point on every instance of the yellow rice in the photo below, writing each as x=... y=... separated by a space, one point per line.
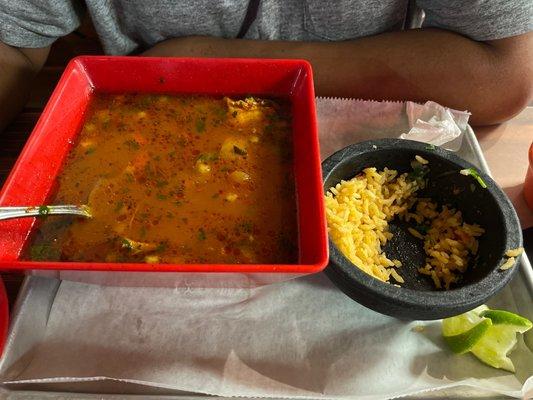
x=508 y=264
x=514 y=252
x=449 y=243
x=359 y=210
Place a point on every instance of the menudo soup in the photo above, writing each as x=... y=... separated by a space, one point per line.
x=177 y=180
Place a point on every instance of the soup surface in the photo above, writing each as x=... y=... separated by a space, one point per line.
x=177 y=180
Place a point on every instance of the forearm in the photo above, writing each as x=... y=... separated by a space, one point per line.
x=17 y=70
x=413 y=65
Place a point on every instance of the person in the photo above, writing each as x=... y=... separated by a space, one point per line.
x=469 y=54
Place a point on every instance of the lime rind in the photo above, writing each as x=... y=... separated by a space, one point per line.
x=500 y=339
x=500 y=317
x=464 y=342
x=461 y=323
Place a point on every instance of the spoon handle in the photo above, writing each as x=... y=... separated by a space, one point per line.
x=39 y=211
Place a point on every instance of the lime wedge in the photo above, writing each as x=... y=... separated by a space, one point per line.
x=463 y=331
x=466 y=341
x=500 y=338
x=461 y=323
x=489 y=334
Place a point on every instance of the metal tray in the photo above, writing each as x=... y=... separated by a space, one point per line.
x=37 y=294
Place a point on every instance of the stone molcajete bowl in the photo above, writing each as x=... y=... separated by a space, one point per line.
x=418 y=298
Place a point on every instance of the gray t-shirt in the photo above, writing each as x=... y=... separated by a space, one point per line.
x=126 y=26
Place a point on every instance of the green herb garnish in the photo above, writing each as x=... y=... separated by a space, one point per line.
x=127 y=244
x=200 y=125
x=161 y=196
x=129 y=178
x=206 y=157
x=431 y=147
x=419 y=172
x=119 y=206
x=234 y=114
x=132 y=144
x=90 y=150
x=201 y=234
x=161 y=247
x=474 y=174
x=220 y=112
x=44 y=252
x=44 y=210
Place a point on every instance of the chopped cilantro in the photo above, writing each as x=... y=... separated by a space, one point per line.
x=90 y=150
x=200 y=125
x=474 y=174
x=119 y=206
x=129 y=177
x=127 y=244
x=44 y=252
x=419 y=171
x=44 y=210
x=220 y=112
x=132 y=144
x=161 y=247
x=201 y=234
x=205 y=157
x=431 y=147
x=161 y=196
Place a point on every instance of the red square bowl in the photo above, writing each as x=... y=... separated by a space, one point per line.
x=32 y=179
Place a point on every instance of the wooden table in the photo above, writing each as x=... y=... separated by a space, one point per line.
x=505 y=147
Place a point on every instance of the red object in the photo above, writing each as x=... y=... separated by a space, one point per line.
x=528 y=184
x=32 y=179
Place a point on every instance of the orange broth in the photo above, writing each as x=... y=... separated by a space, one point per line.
x=172 y=179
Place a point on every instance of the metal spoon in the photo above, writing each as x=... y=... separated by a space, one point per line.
x=39 y=211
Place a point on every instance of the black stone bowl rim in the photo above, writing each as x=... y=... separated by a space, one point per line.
x=419 y=304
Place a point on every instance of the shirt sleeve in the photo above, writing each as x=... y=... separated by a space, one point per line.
x=480 y=19
x=37 y=23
